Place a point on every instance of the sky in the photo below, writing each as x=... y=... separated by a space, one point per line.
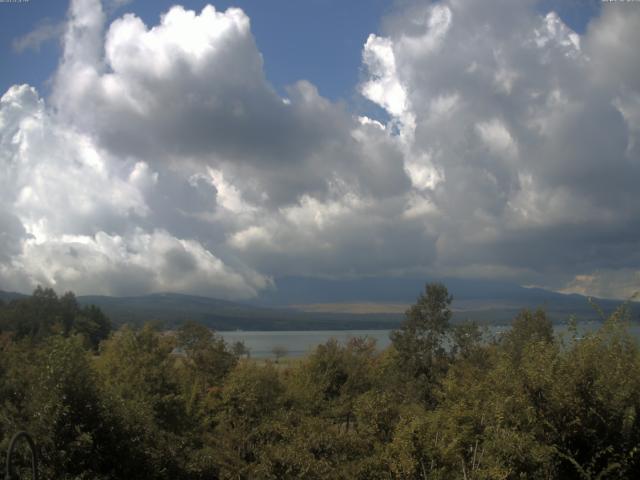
x=215 y=148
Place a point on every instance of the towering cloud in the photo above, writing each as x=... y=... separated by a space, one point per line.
x=165 y=160
x=529 y=127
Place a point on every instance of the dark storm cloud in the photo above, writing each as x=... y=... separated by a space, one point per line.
x=533 y=128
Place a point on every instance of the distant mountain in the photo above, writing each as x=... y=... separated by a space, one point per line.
x=171 y=309
x=486 y=301
x=303 y=290
x=8 y=296
x=300 y=303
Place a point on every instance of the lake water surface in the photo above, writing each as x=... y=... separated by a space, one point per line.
x=299 y=343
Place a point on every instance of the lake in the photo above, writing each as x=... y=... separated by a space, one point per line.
x=299 y=343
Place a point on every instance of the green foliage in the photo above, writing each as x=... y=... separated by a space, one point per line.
x=207 y=358
x=250 y=398
x=442 y=402
x=420 y=341
x=52 y=392
x=527 y=328
x=92 y=324
x=466 y=339
x=45 y=314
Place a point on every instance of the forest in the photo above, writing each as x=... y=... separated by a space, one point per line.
x=444 y=401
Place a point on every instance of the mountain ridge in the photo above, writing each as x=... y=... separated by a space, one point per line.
x=320 y=304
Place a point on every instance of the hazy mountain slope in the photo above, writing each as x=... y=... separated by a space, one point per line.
x=172 y=309
x=303 y=290
x=8 y=296
x=301 y=303
x=480 y=300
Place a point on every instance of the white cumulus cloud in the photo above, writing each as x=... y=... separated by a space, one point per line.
x=165 y=160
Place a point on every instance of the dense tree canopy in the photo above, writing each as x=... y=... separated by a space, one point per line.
x=444 y=401
x=44 y=314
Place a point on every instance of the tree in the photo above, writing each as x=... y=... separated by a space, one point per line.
x=35 y=317
x=94 y=325
x=45 y=314
x=527 y=328
x=419 y=342
x=68 y=309
x=49 y=389
x=466 y=339
x=207 y=352
x=239 y=349
x=251 y=396
x=138 y=383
